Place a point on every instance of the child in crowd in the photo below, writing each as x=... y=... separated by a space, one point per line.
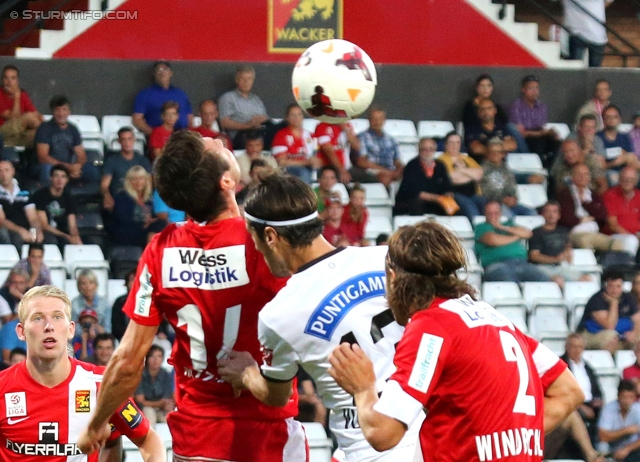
x=160 y=135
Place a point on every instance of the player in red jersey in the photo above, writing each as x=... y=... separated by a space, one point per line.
x=210 y=282
x=50 y=397
x=489 y=391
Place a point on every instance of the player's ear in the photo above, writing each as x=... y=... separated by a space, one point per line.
x=270 y=236
x=20 y=331
x=72 y=330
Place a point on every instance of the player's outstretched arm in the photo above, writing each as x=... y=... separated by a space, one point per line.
x=353 y=371
x=243 y=373
x=563 y=396
x=151 y=447
x=119 y=381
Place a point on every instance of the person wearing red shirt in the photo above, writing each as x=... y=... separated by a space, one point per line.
x=355 y=215
x=19 y=118
x=293 y=146
x=160 y=135
x=334 y=231
x=208 y=126
x=335 y=142
x=623 y=204
x=449 y=341
x=49 y=397
x=210 y=282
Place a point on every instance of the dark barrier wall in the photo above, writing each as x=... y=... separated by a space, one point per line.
x=408 y=92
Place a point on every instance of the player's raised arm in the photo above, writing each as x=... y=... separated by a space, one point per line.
x=563 y=396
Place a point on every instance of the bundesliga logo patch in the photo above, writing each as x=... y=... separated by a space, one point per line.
x=16 y=404
x=83 y=401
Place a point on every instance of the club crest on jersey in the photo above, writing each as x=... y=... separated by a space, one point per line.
x=16 y=404
x=267 y=355
x=83 y=401
x=334 y=307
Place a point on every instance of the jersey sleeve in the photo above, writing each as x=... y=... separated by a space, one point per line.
x=279 y=145
x=129 y=421
x=547 y=363
x=323 y=133
x=140 y=305
x=279 y=362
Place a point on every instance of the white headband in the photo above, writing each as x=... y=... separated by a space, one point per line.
x=296 y=221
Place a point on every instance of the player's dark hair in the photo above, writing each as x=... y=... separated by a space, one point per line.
x=101 y=337
x=612 y=275
x=281 y=197
x=626 y=385
x=188 y=178
x=57 y=101
x=10 y=67
x=425 y=258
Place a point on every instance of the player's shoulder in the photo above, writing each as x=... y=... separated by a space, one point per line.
x=12 y=376
x=85 y=370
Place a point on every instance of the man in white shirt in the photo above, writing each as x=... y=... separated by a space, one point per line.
x=584 y=19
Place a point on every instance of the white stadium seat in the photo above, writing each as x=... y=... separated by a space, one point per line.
x=600 y=360
x=115 y=288
x=310 y=124
x=359 y=125
x=8 y=256
x=532 y=195
x=4 y=274
x=526 y=163
x=434 y=128
x=110 y=126
x=625 y=128
x=408 y=152
x=376 y=195
x=530 y=222
x=537 y=294
x=376 y=226
x=561 y=129
x=88 y=126
x=93 y=145
x=320 y=446
x=624 y=358
x=403 y=220
x=404 y=131
x=460 y=225
x=502 y=294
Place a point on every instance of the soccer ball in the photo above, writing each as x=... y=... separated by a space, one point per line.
x=334 y=81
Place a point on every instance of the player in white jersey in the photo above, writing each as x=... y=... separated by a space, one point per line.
x=333 y=296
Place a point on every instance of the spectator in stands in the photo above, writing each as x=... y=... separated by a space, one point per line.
x=425 y=182
x=590 y=409
x=88 y=299
x=57 y=210
x=310 y=405
x=382 y=239
x=35 y=267
x=12 y=292
x=634 y=134
x=584 y=213
x=155 y=392
x=611 y=320
x=160 y=134
x=470 y=119
x=208 y=112
x=148 y=103
x=163 y=212
x=620 y=422
x=601 y=95
x=571 y=439
x=335 y=143
x=355 y=215
x=530 y=116
x=379 y=156
x=116 y=166
x=572 y=155
x=635 y=287
x=465 y=175
x=327 y=179
x=550 y=248
x=17 y=356
x=618 y=148
x=58 y=141
x=258 y=169
x=293 y=146
x=19 y=118
x=477 y=138
x=254 y=149
x=501 y=251
x=9 y=340
x=133 y=220
x=18 y=215
x=86 y=333
x=119 y=320
x=585 y=23
x=103 y=346
x=623 y=206
x=241 y=110
x=586 y=136
x=632 y=373
x=334 y=231
x=499 y=184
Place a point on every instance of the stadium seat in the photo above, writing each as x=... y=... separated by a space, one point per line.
x=404 y=131
x=58 y=276
x=473 y=272
x=609 y=384
x=460 y=225
x=376 y=195
x=517 y=315
x=115 y=288
x=359 y=125
x=376 y=226
x=88 y=126
x=526 y=163
x=532 y=195
x=561 y=129
x=96 y=146
x=8 y=256
x=600 y=360
x=585 y=260
x=110 y=126
x=529 y=221
x=71 y=288
x=408 y=152
x=310 y=124
x=4 y=274
x=403 y=220
x=434 y=128
x=576 y=296
x=549 y=322
x=537 y=294
x=556 y=345
x=384 y=211
x=320 y=446
x=625 y=128
x=503 y=294
x=124 y=258
x=84 y=256
x=624 y=358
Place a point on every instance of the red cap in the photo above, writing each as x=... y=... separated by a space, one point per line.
x=88 y=312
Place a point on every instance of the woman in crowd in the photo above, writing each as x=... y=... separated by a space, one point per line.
x=88 y=299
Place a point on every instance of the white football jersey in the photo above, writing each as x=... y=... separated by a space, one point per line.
x=338 y=298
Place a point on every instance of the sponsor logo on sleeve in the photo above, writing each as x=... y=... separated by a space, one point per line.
x=131 y=415
x=83 y=401
x=16 y=404
x=335 y=306
x=215 y=269
x=426 y=362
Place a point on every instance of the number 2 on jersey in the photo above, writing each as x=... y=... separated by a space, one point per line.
x=190 y=316
x=525 y=404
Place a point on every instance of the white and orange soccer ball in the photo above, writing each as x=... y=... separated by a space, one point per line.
x=334 y=81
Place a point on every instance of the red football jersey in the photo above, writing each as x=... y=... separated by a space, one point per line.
x=480 y=380
x=288 y=146
x=210 y=282
x=37 y=421
x=334 y=135
x=6 y=103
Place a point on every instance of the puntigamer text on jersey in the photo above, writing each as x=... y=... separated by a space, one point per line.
x=214 y=269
